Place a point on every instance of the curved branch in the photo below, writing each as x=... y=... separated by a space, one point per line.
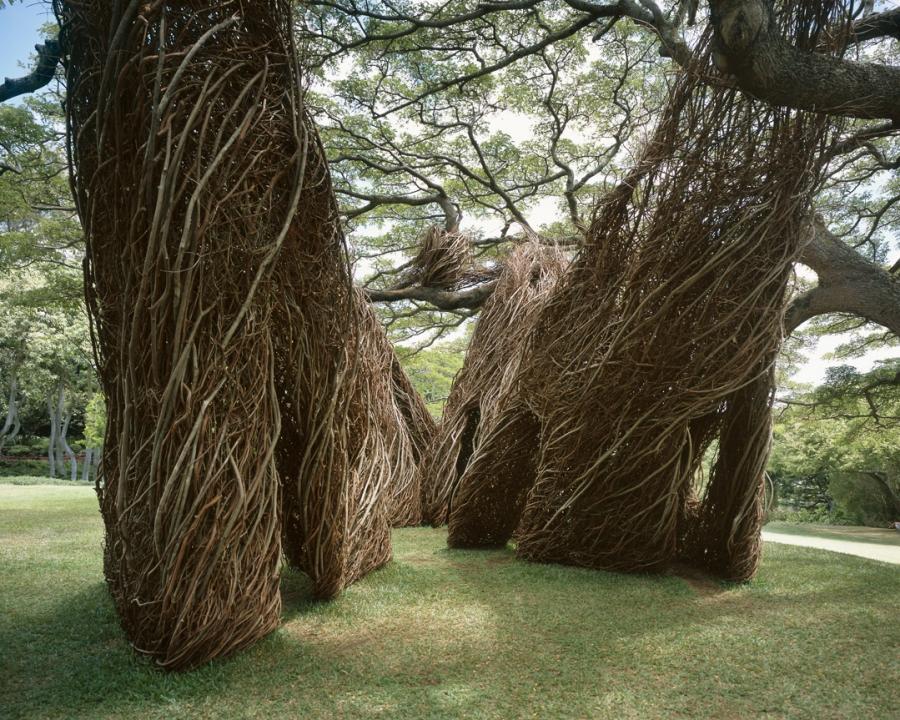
x=848 y=283
x=876 y=26
x=44 y=70
x=442 y=299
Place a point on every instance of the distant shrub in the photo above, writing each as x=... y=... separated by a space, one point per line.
x=17 y=450
x=862 y=498
x=32 y=468
x=819 y=515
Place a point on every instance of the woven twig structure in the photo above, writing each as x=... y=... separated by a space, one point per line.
x=246 y=381
x=492 y=360
x=720 y=533
x=659 y=339
x=444 y=259
x=420 y=429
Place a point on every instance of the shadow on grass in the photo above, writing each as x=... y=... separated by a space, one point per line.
x=463 y=633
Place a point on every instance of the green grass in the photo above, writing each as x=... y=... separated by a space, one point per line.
x=456 y=634
x=37 y=480
x=853 y=533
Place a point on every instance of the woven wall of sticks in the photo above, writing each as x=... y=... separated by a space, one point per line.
x=492 y=361
x=659 y=340
x=254 y=403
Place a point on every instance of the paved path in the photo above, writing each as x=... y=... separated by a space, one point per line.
x=885 y=553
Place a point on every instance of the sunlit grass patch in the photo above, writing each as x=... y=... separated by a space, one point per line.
x=444 y=633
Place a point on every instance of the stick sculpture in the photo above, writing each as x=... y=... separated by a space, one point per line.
x=660 y=339
x=492 y=361
x=250 y=391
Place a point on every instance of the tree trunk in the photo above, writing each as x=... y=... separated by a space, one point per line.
x=17 y=426
x=51 y=447
x=11 y=425
x=86 y=466
x=889 y=495
x=64 y=447
x=59 y=448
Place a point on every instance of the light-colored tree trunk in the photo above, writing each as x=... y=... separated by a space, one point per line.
x=86 y=466
x=11 y=424
x=67 y=450
x=17 y=426
x=51 y=447
x=63 y=419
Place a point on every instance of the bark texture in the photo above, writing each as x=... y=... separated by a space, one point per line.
x=750 y=47
x=848 y=283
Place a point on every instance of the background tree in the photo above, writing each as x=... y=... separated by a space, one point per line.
x=508 y=119
x=837 y=448
x=45 y=353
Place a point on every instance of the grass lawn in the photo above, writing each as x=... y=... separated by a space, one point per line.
x=853 y=533
x=465 y=634
x=42 y=480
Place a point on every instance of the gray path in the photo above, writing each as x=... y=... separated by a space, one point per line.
x=885 y=553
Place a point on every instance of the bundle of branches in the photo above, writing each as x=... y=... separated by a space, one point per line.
x=230 y=343
x=420 y=428
x=660 y=338
x=349 y=472
x=444 y=259
x=492 y=361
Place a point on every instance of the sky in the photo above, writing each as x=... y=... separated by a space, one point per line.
x=20 y=26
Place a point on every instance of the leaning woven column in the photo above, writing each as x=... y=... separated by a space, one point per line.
x=670 y=310
x=419 y=427
x=488 y=502
x=189 y=160
x=333 y=382
x=723 y=532
x=492 y=359
x=344 y=452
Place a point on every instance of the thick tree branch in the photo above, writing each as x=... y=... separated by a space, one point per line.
x=442 y=299
x=751 y=49
x=863 y=139
x=848 y=283
x=48 y=58
x=876 y=26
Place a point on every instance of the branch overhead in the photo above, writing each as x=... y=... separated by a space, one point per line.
x=44 y=70
x=877 y=26
x=442 y=299
x=848 y=283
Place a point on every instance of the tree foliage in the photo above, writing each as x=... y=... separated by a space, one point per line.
x=837 y=447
